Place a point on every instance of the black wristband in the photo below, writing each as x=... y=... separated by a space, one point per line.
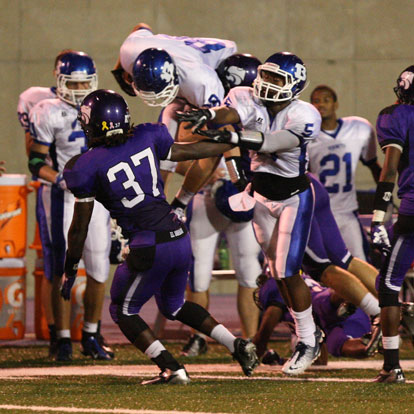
x=383 y=195
x=71 y=266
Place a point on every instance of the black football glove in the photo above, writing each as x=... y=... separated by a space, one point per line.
x=196 y=117
x=219 y=135
x=67 y=284
x=125 y=86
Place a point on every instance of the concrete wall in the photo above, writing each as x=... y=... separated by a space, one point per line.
x=356 y=46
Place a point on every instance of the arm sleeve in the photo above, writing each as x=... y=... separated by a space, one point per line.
x=80 y=176
x=41 y=126
x=163 y=141
x=392 y=127
x=282 y=140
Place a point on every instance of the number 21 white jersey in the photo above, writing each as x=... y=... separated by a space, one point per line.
x=334 y=156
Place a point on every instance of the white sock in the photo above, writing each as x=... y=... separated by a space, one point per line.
x=90 y=327
x=64 y=333
x=154 y=349
x=391 y=342
x=304 y=326
x=184 y=196
x=223 y=336
x=369 y=304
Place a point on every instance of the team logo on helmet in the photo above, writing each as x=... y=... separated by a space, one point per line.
x=235 y=75
x=406 y=79
x=167 y=72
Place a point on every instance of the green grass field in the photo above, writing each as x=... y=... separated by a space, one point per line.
x=222 y=391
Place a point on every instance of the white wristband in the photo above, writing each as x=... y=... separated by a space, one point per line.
x=378 y=216
x=234 y=138
x=212 y=113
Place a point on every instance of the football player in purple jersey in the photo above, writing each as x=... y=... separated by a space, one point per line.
x=395 y=132
x=346 y=336
x=122 y=171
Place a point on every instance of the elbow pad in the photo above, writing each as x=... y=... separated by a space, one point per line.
x=36 y=161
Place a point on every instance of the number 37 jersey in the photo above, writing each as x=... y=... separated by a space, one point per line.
x=333 y=157
x=126 y=180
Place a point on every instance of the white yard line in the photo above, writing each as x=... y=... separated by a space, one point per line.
x=92 y=410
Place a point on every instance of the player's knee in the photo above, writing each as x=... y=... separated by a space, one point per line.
x=388 y=297
x=131 y=325
x=192 y=315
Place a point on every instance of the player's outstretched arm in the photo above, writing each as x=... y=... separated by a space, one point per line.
x=196 y=150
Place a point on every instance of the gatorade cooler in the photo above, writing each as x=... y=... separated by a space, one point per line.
x=76 y=300
x=12 y=298
x=13 y=215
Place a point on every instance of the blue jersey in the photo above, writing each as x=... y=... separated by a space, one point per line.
x=126 y=180
x=395 y=126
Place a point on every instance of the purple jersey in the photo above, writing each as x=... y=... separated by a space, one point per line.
x=395 y=126
x=126 y=180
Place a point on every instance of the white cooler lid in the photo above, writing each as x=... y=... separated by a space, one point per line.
x=13 y=179
x=12 y=262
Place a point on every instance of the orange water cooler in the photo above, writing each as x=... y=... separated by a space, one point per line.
x=13 y=239
x=12 y=298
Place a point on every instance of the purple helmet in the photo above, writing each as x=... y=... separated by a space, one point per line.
x=75 y=67
x=155 y=77
x=290 y=68
x=104 y=113
x=405 y=86
x=239 y=69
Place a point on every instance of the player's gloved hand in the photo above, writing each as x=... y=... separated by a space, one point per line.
x=379 y=237
x=67 y=283
x=220 y=135
x=196 y=117
x=60 y=182
x=119 y=75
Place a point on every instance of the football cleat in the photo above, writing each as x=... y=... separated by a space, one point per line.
x=169 y=377
x=245 y=354
x=64 y=350
x=104 y=345
x=195 y=346
x=395 y=376
x=303 y=355
x=91 y=347
x=271 y=357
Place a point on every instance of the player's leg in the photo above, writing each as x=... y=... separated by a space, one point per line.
x=365 y=272
x=61 y=215
x=43 y=218
x=96 y=259
x=204 y=237
x=244 y=251
x=390 y=280
x=170 y=300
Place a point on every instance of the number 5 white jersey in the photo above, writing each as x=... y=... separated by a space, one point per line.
x=334 y=156
x=195 y=58
x=54 y=123
x=299 y=117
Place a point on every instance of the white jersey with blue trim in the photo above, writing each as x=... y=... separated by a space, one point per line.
x=334 y=156
x=299 y=117
x=195 y=58
x=28 y=99
x=54 y=122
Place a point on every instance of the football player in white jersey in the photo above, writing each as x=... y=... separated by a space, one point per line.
x=57 y=133
x=27 y=100
x=174 y=72
x=334 y=156
x=277 y=127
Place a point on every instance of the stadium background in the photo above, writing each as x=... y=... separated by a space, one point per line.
x=356 y=47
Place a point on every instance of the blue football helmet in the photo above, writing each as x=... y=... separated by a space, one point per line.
x=223 y=190
x=239 y=69
x=104 y=113
x=155 y=77
x=405 y=86
x=75 y=67
x=287 y=66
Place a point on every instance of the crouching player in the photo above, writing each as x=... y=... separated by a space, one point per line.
x=121 y=170
x=346 y=335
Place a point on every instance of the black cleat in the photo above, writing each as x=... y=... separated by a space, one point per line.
x=64 y=350
x=169 y=377
x=194 y=347
x=104 y=345
x=91 y=347
x=245 y=354
x=395 y=376
x=271 y=357
x=375 y=337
